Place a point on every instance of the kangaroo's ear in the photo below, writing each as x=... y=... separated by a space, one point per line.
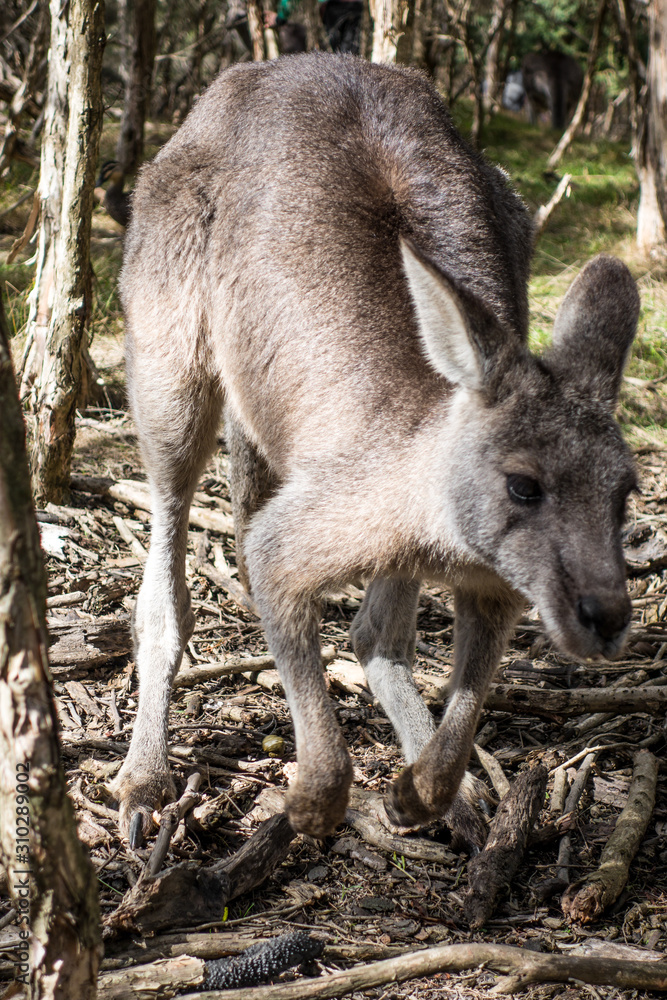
x=451 y=322
x=595 y=327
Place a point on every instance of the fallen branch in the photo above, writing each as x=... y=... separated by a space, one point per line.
x=162 y=978
x=184 y=896
x=235 y=665
x=136 y=494
x=528 y=966
x=492 y=871
x=493 y=769
x=210 y=944
x=575 y=793
x=129 y=537
x=87 y=644
x=585 y=900
x=257 y=961
x=576 y=701
x=541 y=216
x=231 y=587
x=364 y=814
x=189 y=895
x=267 y=848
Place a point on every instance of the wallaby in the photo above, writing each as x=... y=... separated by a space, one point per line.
x=318 y=251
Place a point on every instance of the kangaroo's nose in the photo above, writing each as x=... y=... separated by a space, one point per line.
x=608 y=619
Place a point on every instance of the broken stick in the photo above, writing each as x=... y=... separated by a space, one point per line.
x=491 y=872
x=235 y=665
x=171 y=816
x=541 y=216
x=575 y=793
x=583 y=901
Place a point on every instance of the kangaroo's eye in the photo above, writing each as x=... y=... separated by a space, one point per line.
x=523 y=489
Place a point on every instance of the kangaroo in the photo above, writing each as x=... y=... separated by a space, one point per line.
x=552 y=82
x=319 y=252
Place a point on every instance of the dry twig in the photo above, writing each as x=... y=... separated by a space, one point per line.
x=541 y=216
x=171 y=816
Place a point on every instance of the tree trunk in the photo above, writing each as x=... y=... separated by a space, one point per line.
x=270 y=41
x=392 y=26
x=52 y=883
x=51 y=197
x=310 y=15
x=32 y=81
x=255 y=26
x=652 y=144
x=77 y=33
x=492 y=60
x=580 y=111
x=139 y=39
x=421 y=30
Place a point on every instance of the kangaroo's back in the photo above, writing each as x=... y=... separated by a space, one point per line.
x=277 y=208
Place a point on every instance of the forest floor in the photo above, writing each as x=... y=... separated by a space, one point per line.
x=365 y=900
x=350 y=892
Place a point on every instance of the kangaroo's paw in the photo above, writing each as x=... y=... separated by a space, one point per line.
x=139 y=793
x=406 y=805
x=467 y=817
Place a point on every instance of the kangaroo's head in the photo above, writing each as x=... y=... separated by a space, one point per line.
x=542 y=474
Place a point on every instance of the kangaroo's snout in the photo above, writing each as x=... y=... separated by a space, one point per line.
x=606 y=616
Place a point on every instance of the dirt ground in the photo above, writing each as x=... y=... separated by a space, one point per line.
x=349 y=892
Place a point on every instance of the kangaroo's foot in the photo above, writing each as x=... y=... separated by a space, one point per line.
x=139 y=793
x=317 y=801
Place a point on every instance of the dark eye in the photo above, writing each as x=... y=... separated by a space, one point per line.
x=523 y=489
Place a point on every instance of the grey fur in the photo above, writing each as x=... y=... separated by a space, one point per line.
x=319 y=248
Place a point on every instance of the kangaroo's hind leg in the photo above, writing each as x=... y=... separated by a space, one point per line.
x=383 y=636
x=177 y=414
x=251 y=484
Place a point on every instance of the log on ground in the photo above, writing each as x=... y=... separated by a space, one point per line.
x=526 y=966
x=585 y=900
x=576 y=701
